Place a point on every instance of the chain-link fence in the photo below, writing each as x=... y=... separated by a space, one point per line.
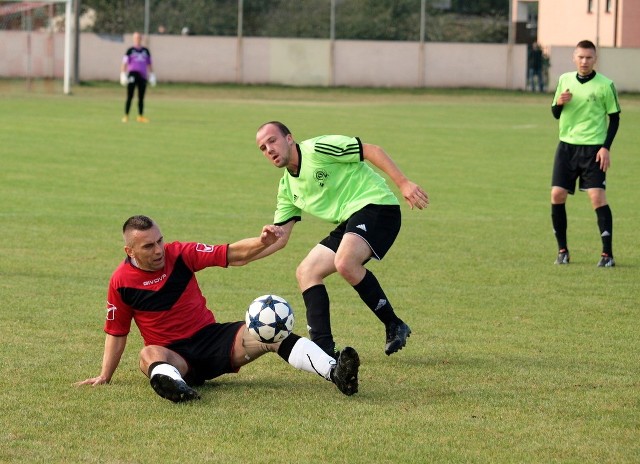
x=348 y=39
x=407 y=20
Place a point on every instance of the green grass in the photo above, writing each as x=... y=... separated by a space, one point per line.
x=511 y=359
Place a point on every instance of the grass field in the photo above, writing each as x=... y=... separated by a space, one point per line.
x=512 y=359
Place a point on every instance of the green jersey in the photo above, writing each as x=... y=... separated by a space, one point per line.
x=333 y=181
x=583 y=120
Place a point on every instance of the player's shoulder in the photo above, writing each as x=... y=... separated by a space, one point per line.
x=176 y=248
x=567 y=75
x=603 y=78
x=122 y=273
x=328 y=144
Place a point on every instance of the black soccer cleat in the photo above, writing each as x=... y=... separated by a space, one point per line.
x=397 y=334
x=563 y=257
x=606 y=261
x=345 y=373
x=175 y=390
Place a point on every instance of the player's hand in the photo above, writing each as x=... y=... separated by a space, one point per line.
x=604 y=159
x=270 y=234
x=414 y=195
x=93 y=381
x=123 y=78
x=152 y=79
x=565 y=97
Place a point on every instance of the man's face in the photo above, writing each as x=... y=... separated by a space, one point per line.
x=275 y=146
x=585 y=60
x=146 y=247
x=137 y=39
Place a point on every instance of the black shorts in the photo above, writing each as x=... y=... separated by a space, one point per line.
x=208 y=352
x=574 y=162
x=378 y=225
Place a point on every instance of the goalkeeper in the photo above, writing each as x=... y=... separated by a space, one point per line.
x=136 y=70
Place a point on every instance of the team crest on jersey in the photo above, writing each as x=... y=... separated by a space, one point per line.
x=320 y=176
x=204 y=248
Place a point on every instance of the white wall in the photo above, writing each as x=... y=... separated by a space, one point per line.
x=622 y=65
x=301 y=62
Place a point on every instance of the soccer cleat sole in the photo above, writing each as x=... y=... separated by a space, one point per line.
x=345 y=375
x=173 y=390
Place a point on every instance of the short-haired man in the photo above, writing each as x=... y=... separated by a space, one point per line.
x=583 y=101
x=184 y=344
x=329 y=177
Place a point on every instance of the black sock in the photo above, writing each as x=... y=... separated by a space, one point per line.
x=605 y=224
x=316 y=300
x=373 y=296
x=559 y=221
x=287 y=345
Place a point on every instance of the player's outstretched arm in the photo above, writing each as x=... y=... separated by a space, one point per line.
x=271 y=239
x=413 y=194
x=113 y=349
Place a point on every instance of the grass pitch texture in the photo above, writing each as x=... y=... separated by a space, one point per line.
x=511 y=359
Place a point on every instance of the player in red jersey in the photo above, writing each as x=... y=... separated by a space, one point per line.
x=184 y=345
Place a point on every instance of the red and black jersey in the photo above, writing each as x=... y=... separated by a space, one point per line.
x=167 y=305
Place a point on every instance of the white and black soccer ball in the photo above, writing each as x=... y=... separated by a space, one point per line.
x=269 y=319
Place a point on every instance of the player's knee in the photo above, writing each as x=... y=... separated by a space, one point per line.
x=347 y=268
x=305 y=271
x=558 y=196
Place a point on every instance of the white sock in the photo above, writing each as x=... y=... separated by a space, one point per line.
x=166 y=369
x=308 y=356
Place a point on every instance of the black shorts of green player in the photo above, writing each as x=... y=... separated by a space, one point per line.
x=577 y=162
x=383 y=225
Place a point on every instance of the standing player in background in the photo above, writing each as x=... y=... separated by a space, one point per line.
x=328 y=177
x=582 y=102
x=135 y=72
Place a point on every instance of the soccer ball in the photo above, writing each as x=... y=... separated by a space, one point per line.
x=269 y=319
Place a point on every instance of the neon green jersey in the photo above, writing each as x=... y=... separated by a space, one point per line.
x=583 y=120
x=333 y=181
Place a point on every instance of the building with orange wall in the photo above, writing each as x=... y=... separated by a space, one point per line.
x=607 y=23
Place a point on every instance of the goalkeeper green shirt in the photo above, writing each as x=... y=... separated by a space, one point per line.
x=333 y=182
x=583 y=120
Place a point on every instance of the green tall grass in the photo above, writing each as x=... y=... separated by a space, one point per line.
x=512 y=359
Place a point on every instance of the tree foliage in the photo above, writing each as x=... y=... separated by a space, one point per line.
x=461 y=21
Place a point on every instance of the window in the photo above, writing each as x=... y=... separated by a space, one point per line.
x=589 y=6
x=609 y=6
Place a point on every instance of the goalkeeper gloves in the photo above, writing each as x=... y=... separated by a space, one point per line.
x=123 y=78
x=152 y=79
